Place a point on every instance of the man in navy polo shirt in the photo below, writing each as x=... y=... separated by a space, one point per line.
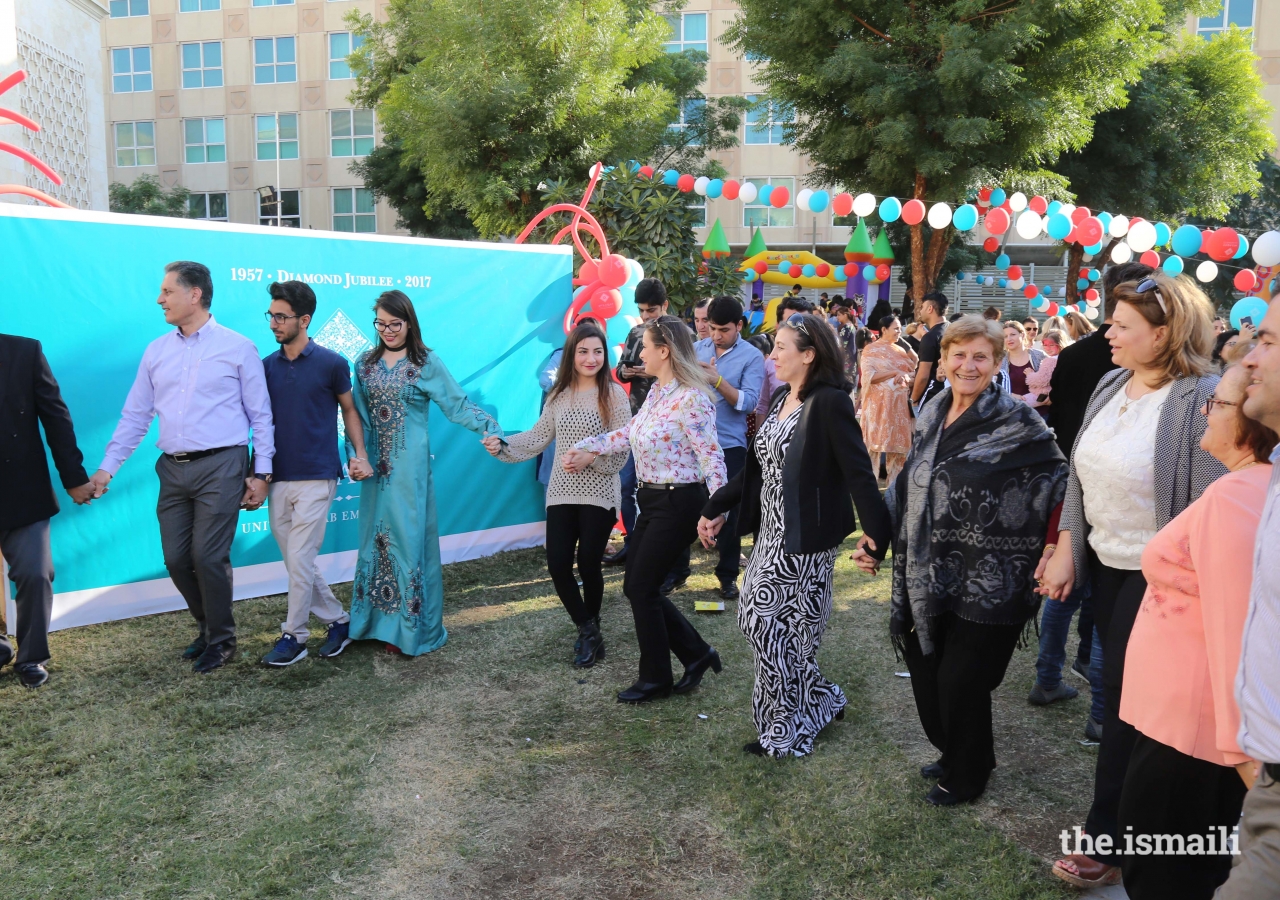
x=308 y=384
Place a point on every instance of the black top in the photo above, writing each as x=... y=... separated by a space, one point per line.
x=304 y=406
x=640 y=384
x=1079 y=368
x=28 y=392
x=826 y=466
x=931 y=352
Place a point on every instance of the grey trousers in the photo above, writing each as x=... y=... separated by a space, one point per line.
x=1255 y=875
x=26 y=549
x=198 y=509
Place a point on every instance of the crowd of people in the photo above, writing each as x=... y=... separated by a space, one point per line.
x=1035 y=473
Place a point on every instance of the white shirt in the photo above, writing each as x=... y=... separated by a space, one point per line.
x=1258 y=681
x=1116 y=462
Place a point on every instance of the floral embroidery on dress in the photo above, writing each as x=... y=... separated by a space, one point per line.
x=377 y=582
x=387 y=390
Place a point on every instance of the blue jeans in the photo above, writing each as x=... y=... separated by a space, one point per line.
x=1095 y=677
x=628 y=511
x=1055 y=626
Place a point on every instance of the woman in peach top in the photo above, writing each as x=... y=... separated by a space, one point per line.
x=887 y=373
x=1186 y=774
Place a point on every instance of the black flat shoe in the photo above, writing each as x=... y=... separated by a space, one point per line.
x=6 y=651
x=590 y=647
x=728 y=589
x=940 y=797
x=840 y=716
x=32 y=675
x=693 y=673
x=615 y=559
x=195 y=648
x=644 y=691
x=754 y=749
x=215 y=657
x=933 y=771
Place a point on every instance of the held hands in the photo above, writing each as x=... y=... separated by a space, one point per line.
x=83 y=494
x=577 y=460
x=864 y=560
x=708 y=529
x=1056 y=573
x=359 y=469
x=255 y=495
x=493 y=444
x=100 y=480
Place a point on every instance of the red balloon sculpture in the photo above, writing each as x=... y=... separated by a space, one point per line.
x=9 y=117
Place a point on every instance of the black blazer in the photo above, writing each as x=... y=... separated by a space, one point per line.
x=826 y=465
x=28 y=392
x=1075 y=377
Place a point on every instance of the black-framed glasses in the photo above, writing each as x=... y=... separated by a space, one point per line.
x=1149 y=284
x=387 y=327
x=278 y=318
x=1214 y=401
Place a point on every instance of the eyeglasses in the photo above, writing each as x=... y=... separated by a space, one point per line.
x=392 y=327
x=796 y=321
x=1149 y=284
x=1214 y=401
x=279 y=318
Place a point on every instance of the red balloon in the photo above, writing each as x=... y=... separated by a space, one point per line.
x=588 y=273
x=730 y=190
x=1014 y=273
x=685 y=183
x=984 y=194
x=882 y=272
x=842 y=204
x=1038 y=205
x=761 y=267
x=1246 y=280
x=1089 y=230
x=795 y=271
x=646 y=171
x=996 y=221
x=613 y=271
x=1150 y=258
x=1079 y=214
x=991 y=245
x=1031 y=292
x=606 y=302
x=778 y=197
x=852 y=269
x=913 y=211
x=823 y=270
x=1091 y=294
x=1073 y=235
x=1224 y=244
x=1052 y=310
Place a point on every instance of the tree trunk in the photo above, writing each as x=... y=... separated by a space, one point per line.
x=921 y=283
x=1075 y=255
x=936 y=258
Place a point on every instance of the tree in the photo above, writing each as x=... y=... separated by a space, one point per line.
x=384 y=172
x=930 y=99
x=1186 y=143
x=1251 y=215
x=146 y=197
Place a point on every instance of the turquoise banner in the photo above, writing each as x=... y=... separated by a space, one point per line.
x=85 y=285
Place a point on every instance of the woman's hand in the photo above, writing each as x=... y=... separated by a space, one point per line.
x=493 y=444
x=577 y=460
x=708 y=529
x=864 y=560
x=1056 y=575
x=359 y=469
x=1248 y=772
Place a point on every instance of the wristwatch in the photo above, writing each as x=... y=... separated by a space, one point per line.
x=262 y=477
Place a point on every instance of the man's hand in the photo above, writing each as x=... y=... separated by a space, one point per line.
x=83 y=494
x=493 y=444
x=577 y=460
x=255 y=495
x=100 y=480
x=634 y=371
x=359 y=469
x=864 y=560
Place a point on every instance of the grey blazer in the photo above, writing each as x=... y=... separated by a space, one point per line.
x=1182 y=469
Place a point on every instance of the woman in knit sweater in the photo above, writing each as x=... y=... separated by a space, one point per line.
x=583 y=507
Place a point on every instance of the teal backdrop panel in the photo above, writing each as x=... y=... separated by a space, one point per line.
x=85 y=285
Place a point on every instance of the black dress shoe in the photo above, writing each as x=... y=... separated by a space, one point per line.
x=933 y=771
x=673 y=584
x=195 y=648
x=729 y=588
x=940 y=797
x=215 y=657
x=590 y=649
x=615 y=559
x=644 y=691
x=693 y=673
x=754 y=748
x=6 y=651
x=32 y=675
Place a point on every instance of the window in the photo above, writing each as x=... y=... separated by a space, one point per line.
x=688 y=32
x=765 y=120
x=353 y=210
x=130 y=69
x=691 y=113
x=341 y=45
x=278 y=136
x=202 y=65
x=121 y=9
x=764 y=215
x=274 y=60
x=206 y=140
x=699 y=206
x=199 y=5
x=208 y=206
x=287 y=216
x=273 y=2
x=351 y=132
x=135 y=144
x=1230 y=12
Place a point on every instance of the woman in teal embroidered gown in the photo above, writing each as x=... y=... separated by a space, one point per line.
x=397 y=595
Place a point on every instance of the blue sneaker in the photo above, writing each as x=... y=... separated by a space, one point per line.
x=286 y=652
x=337 y=640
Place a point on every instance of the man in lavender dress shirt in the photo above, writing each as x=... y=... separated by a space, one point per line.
x=206 y=384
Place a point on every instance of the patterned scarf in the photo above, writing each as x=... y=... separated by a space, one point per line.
x=970 y=511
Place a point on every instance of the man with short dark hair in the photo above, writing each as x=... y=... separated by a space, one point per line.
x=933 y=313
x=700 y=319
x=206 y=384
x=308 y=384
x=993 y=313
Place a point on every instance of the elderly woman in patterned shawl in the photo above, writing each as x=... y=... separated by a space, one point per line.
x=971 y=510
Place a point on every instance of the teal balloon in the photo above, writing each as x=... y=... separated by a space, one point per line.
x=960 y=276
x=671 y=176
x=1094 y=249
x=1094 y=275
x=762 y=197
x=1002 y=261
x=714 y=188
x=1243 y=248
x=869 y=273
x=1054 y=206
x=1002 y=282
x=1254 y=307
x=1187 y=240
x=838 y=274
x=1059 y=226
x=997 y=197
x=980 y=279
x=891 y=211
x=1162 y=234
x=1105 y=219
x=1172 y=265
x=818 y=202
x=808 y=270
x=964 y=218
x=749 y=275
x=1082 y=283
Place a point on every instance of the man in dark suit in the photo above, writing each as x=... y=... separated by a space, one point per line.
x=28 y=392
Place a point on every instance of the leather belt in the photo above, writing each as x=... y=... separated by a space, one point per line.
x=667 y=487
x=192 y=455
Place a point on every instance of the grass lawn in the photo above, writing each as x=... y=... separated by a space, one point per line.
x=493 y=769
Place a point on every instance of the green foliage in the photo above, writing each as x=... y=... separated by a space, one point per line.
x=1251 y=215
x=148 y=198
x=385 y=173
x=721 y=276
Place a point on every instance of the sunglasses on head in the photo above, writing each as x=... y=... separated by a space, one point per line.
x=1149 y=284
x=796 y=321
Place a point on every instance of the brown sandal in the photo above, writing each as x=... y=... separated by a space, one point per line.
x=1088 y=873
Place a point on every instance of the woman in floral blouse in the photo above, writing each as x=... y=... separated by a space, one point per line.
x=678 y=459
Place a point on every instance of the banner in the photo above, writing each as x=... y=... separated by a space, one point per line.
x=85 y=285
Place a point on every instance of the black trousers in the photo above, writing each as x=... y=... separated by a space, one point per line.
x=31 y=568
x=952 y=687
x=584 y=529
x=1167 y=792
x=728 y=541
x=667 y=525
x=1117 y=595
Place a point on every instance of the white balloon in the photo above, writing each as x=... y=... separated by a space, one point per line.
x=939 y=215
x=1017 y=284
x=1119 y=227
x=1096 y=301
x=1028 y=224
x=1062 y=291
x=1121 y=253
x=596 y=170
x=1067 y=209
x=1266 y=249
x=700 y=186
x=864 y=205
x=748 y=192
x=1088 y=257
x=1091 y=312
x=1206 y=271
x=1142 y=237
x=1018 y=201
x=802 y=199
x=1044 y=224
